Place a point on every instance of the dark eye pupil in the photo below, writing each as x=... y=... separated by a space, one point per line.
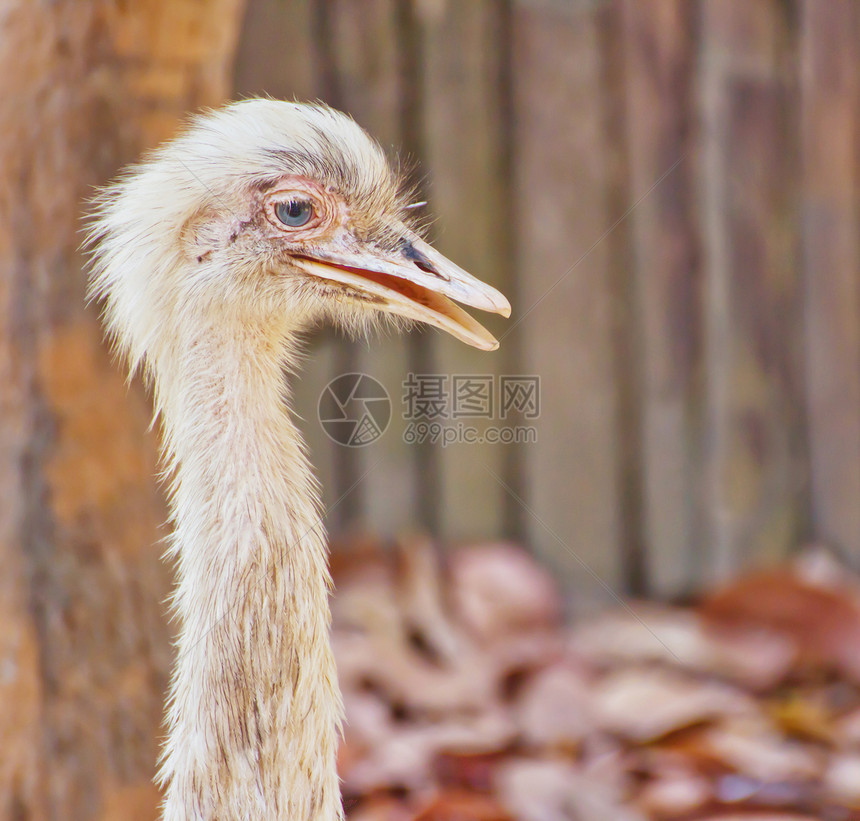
x=294 y=213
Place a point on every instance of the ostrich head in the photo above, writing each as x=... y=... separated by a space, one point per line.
x=271 y=213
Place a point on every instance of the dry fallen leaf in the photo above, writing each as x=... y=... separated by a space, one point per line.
x=555 y=790
x=842 y=780
x=676 y=792
x=458 y=805
x=498 y=589
x=753 y=815
x=554 y=710
x=646 y=703
x=823 y=622
x=409 y=680
x=467 y=700
x=467 y=770
x=379 y=808
x=803 y=715
x=751 y=745
x=753 y=657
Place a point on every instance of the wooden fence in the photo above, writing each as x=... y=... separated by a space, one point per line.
x=667 y=192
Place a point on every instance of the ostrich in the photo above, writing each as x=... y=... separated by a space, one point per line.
x=212 y=257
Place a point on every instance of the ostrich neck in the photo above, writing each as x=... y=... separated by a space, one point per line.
x=254 y=714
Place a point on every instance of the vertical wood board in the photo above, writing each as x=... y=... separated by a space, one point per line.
x=830 y=78
x=564 y=319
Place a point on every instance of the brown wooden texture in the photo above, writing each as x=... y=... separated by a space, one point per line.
x=658 y=48
x=462 y=133
x=756 y=466
x=367 y=44
x=626 y=331
x=563 y=321
x=830 y=84
x=83 y=639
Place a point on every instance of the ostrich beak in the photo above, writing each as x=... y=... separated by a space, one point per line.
x=416 y=282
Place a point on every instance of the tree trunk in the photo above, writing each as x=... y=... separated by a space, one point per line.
x=84 y=642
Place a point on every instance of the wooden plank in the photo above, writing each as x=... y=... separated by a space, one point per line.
x=514 y=518
x=462 y=133
x=627 y=334
x=421 y=347
x=830 y=72
x=564 y=319
x=658 y=46
x=756 y=465
x=366 y=46
x=275 y=53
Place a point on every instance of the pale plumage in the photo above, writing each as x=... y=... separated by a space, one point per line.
x=211 y=257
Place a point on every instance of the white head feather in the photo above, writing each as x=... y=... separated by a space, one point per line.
x=186 y=200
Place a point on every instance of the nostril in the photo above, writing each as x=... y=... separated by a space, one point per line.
x=420 y=260
x=424 y=264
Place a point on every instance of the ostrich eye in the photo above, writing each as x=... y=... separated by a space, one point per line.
x=295 y=213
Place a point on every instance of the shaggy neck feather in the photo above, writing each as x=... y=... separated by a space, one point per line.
x=254 y=714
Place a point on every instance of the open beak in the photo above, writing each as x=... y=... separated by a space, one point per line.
x=416 y=282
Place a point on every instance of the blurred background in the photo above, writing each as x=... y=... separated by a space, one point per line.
x=666 y=190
